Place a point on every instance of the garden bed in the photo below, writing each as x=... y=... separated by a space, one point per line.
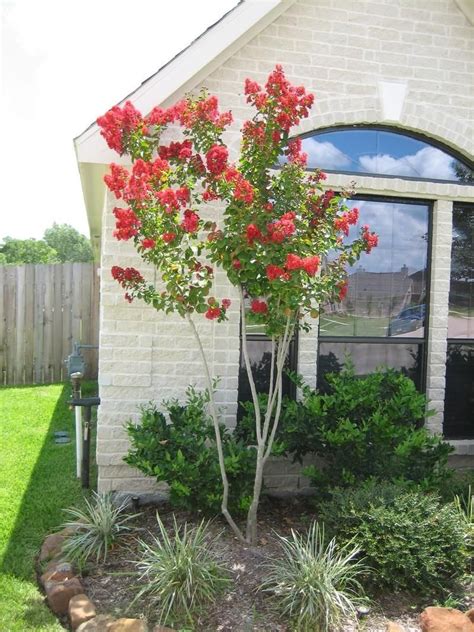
x=114 y=585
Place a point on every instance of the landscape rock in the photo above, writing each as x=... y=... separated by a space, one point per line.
x=58 y=572
x=60 y=593
x=58 y=563
x=160 y=628
x=470 y=614
x=101 y=623
x=395 y=627
x=81 y=609
x=128 y=625
x=436 y=619
x=52 y=546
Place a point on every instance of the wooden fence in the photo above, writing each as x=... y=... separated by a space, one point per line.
x=44 y=309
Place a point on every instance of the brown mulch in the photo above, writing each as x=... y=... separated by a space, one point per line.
x=114 y=585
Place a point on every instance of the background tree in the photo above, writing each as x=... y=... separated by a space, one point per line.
x=19 y=251
x=68 y=243
x=61 y=244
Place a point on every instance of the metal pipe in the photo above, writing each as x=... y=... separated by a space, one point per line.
x=76 y=394
x=86 y=446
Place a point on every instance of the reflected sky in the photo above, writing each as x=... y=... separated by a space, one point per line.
x=380 y=152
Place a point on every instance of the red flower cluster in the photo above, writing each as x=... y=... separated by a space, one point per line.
x=252 y=233
x=159 y=117
x=139 y=183
x=309 y=264
x=181 y=151
x=213 y=312
x=342 y=287
x=209 y=195
x=127 y=223
x=371 y=239
x=172 y=199
x=216 y=159
x=190 y=223
x=258 y=307
x=294 y=153
x=243 y=190
x=127 y=277
x=275 y=272
x=117 y=122
x=168 y=237
x=148 y=243
x=254 y=130
x=204 y=111
x=116 y=180
x=347 y=219
x=282 y=228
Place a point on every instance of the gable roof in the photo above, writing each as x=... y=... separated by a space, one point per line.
x=193 y=64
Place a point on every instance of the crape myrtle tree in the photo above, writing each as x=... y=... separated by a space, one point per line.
x=280 y=239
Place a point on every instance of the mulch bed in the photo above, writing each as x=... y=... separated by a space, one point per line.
x=113 y=586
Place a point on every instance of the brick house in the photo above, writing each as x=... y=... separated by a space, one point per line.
x=394 y=81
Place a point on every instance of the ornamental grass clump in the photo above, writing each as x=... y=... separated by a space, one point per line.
x=316 y=585
x=180 y=572
x=95 y=529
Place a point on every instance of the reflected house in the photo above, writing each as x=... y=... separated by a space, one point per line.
x=378 y=294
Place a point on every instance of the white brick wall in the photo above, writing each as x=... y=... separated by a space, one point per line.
x=341 y=50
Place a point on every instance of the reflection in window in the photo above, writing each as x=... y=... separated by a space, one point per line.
x=406 y=358
x=371 y=151
x=459 y=402
x=260 y=353
x=387 y=288
x=461 y=294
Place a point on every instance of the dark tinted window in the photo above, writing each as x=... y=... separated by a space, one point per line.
x=461 y=294
x=387 y=288
x=459 y=402
x=382 y=152
x=367 y=357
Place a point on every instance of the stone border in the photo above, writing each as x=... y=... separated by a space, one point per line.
x=66 y=597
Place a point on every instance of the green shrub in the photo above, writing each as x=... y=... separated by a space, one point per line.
x=316 y=584
x=181 y=572
x=363 y=427
x=409 y=539
x=95 y=529
x=183 y=453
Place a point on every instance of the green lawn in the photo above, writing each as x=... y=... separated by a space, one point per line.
x=350 y=325
x=37 y=480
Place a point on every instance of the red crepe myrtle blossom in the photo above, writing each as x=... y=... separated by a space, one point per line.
x=293 y=262
x=282 y=228
x=181 y=151
x=216 y=159
x=213 y=312
x=168 y=199
x=127 y=223
x=148 y=243
x=258 y=307
x=371 y=239
x=311 y=265
x=127 y=277
x=226 y=302
x=343 y=286
x=190 y=223
x=117 y=122
x=236 y=264
x=209 y=195
x=350 y=218
x=275 y=272
x=252 y=233
x=117 y=180
x=168 y=237
x=294 y=153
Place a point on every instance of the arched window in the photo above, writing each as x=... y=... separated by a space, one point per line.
x=384 y=151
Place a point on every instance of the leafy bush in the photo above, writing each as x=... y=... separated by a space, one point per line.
x=181 y=573
x=363 y=427
x=316 y=584
x=409 y=539
x=95 y=529
x=183 y=453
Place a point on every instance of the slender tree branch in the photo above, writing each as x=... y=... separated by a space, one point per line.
x=248 y=368
x=215 y=419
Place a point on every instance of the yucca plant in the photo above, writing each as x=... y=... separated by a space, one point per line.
x=465 y=507
x=316 y=584
x=181 y=573
x=95 y=528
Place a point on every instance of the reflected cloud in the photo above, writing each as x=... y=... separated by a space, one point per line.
x=428 y=162
x=324 y=154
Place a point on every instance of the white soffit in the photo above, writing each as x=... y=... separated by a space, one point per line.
x=392 y=97
x=467 y=7
x=192 y=65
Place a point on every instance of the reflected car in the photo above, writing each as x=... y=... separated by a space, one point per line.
x=409 y=319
